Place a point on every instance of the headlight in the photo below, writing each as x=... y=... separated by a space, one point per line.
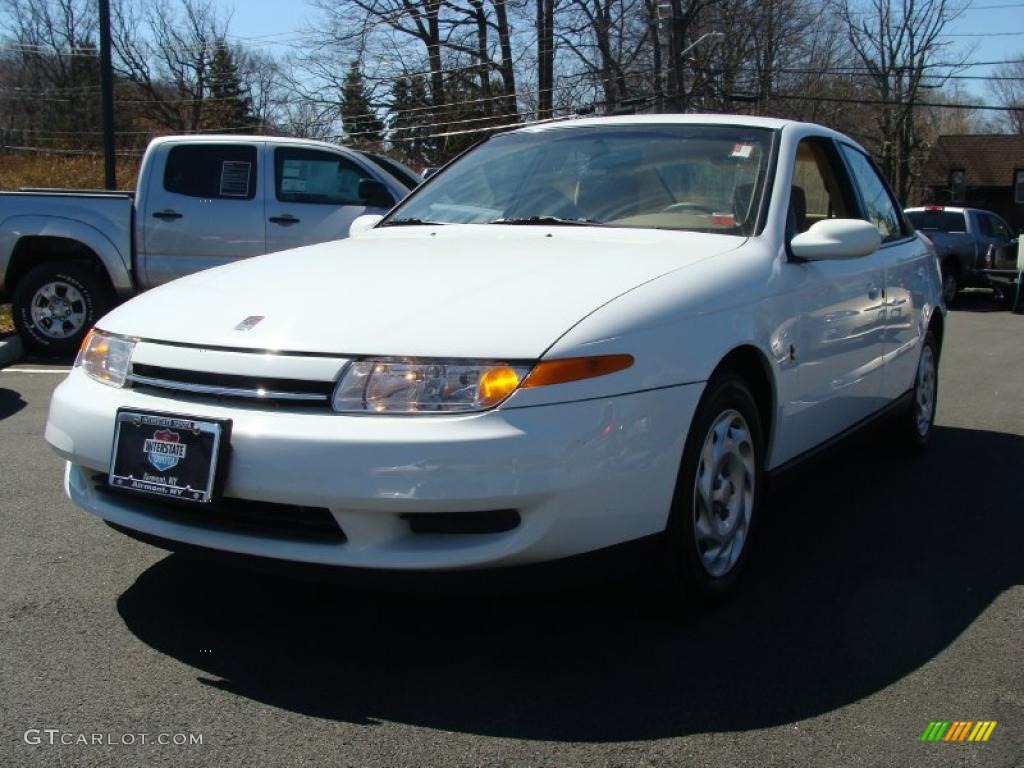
x=106 y=357
x=411 y=386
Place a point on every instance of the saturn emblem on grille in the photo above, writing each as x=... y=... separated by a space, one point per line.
x=248 y=323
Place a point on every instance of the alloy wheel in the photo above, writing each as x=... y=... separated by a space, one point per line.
x=58 y=310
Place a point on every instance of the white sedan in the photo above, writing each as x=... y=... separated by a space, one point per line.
x=579 y=335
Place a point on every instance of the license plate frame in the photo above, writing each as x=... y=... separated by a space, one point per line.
x=145 y=472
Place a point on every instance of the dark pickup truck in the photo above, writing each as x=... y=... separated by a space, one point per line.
x=966 y=241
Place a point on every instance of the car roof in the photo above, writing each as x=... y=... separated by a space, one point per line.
x=670 y=119
x=800 y=129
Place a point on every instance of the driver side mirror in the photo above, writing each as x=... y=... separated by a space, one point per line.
x=836 y=239
x=375 y=194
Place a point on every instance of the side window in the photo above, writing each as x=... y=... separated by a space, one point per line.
x=879 y=207
x=311 y=176
x=819 y=190
x=999 y=230
x=226 y=171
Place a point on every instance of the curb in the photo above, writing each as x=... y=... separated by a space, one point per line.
x=10 y=350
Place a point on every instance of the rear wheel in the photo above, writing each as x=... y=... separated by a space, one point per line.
x=714 y=510
x=950 y=284
x=55 y=305
x=916 y=422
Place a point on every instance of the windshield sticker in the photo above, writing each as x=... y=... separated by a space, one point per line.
x=742 y=150
x=234 y=178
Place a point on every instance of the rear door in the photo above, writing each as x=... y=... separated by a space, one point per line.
x=204 y=207
x=313 y=196
x=907 y=265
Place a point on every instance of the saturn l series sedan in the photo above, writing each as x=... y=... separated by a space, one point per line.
x=579 y=335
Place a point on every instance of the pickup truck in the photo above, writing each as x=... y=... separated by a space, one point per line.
x=964 y=240
x=67 y=256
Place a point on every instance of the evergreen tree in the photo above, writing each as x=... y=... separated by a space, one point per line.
x=362 y=126
x=410 y=121
x=231 y=106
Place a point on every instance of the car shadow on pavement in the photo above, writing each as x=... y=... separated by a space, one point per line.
x=10 y=402
x=868 y=565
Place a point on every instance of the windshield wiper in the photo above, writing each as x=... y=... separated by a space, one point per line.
x=528 y=220
x=412 y=222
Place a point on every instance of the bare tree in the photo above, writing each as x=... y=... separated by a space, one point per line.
x=608 y=38
x=899 y=43
x=1007 y=87
x=171 y=66
x=51 y=71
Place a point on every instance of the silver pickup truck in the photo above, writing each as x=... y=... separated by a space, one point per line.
x=964 y=240
x=68 y=256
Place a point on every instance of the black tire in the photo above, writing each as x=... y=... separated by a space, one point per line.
x=914 y=433
x=950 y=283
x=95 y=300
x=700 y=588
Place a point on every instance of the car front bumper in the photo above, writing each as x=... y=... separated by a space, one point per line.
x=583 y=476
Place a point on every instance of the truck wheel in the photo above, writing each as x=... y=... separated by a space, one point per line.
x=950 y=285
x=714 y=509
x=56 y=304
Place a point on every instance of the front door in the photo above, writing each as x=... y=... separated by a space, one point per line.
x=838 y=350
x=315 y=197
x=204 y=207
x=907 y=263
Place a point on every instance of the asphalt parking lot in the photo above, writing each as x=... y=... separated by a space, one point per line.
x=884 y=594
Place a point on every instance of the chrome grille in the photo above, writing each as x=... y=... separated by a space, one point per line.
x=230 y=385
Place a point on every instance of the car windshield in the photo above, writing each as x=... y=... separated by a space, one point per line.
x=705 y=178
x=937 y=221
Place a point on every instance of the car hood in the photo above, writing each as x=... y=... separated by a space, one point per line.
x=450 y=291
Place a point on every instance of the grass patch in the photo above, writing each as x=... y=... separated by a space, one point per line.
x=6 y=323
x=19 y=169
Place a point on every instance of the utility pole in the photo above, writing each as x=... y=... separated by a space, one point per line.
x=107 y=97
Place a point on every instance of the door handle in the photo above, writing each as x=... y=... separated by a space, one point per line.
x=284 y=219
x=167 y=215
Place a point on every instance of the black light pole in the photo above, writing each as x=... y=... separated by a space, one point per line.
x=107 y=97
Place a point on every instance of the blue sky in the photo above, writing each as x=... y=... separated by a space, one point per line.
x=994 y=27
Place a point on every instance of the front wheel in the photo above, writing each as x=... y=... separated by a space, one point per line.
x=56 y=304
x=714 y=509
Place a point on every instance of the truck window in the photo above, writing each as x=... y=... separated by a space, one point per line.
x=226 y=171
x=994 y=227
x=311 y=176
x=938 y=221
x=879 y=207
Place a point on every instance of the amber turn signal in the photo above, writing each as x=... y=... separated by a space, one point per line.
x=575 y=368
x=496 y=384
